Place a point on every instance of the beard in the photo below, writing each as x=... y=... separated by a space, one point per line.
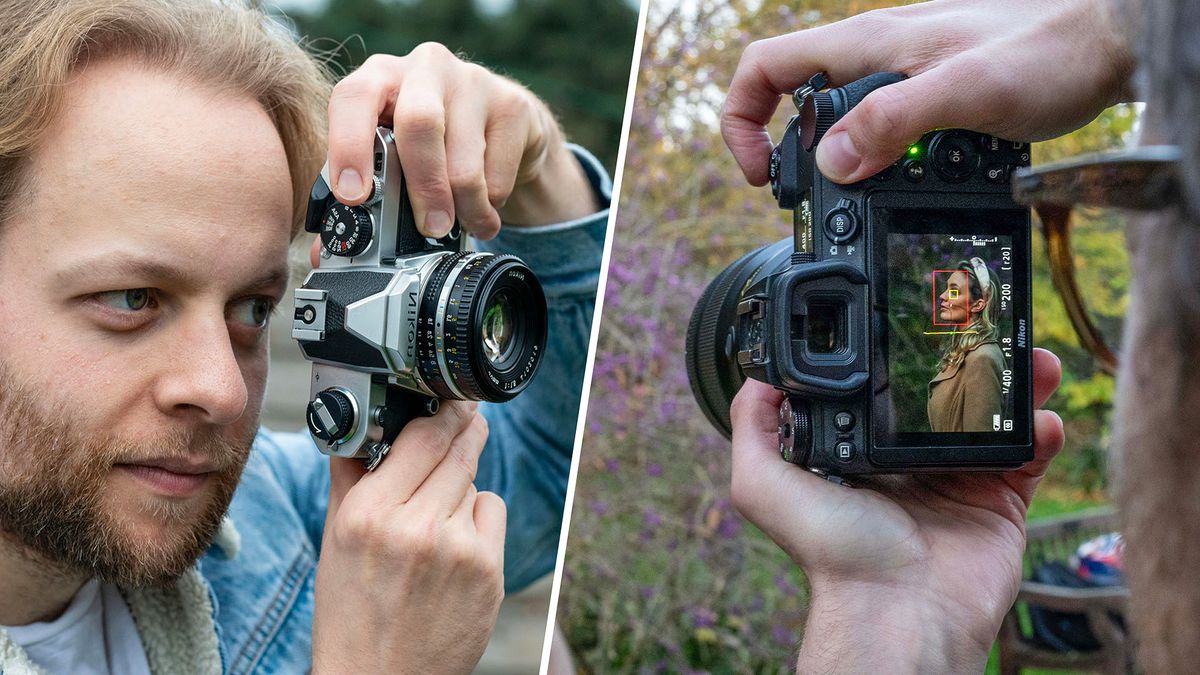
x=54 y=477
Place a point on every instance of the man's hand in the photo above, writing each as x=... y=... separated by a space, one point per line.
x=412 y=564
x=472 y=144
x=909 y=573
x=1025 y=71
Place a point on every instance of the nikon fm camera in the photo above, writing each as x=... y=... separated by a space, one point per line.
x=393 y=321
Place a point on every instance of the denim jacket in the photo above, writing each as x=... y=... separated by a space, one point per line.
x=248 y=606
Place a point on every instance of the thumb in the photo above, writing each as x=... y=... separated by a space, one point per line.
x=879 y=129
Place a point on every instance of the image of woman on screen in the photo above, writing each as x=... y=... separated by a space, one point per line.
x=966 y=394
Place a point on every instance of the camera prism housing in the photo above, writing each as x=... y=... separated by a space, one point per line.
x=896 y=319
x=394 y=322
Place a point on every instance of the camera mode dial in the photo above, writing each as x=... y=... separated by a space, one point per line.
x=332 y=415
x=346 y=230
x=795 y=430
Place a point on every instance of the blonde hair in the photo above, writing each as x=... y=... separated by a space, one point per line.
x=983 y=325
x=226 y=43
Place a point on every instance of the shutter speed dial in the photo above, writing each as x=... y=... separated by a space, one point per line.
x=346 y=230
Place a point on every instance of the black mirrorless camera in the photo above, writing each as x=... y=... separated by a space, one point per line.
x=896 y=318
x=394 y=322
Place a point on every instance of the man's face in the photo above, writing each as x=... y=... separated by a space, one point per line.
x=135 y=282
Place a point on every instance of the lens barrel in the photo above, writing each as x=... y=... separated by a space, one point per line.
x=482 y=327
x=711 y=348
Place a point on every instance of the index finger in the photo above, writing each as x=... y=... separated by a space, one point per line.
x=418 y=450
x=775 y=66
x=357 y=105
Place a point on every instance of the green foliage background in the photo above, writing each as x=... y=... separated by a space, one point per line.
x=574 y=54
x=662 y=575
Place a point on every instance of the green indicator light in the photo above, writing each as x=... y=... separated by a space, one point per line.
x=913 y=151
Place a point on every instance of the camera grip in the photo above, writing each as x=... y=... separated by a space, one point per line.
x=856 y=91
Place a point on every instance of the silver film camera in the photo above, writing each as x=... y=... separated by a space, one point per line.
x=393 y=321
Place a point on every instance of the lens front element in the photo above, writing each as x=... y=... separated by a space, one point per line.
x=497 y=329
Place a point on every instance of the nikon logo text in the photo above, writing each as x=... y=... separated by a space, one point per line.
x=411 y=312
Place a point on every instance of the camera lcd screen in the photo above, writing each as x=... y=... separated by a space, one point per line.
x=950 y=328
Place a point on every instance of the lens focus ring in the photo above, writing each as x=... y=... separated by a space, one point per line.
x=455 y=357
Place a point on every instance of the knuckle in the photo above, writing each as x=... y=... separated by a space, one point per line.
x=475 y=72
x=882 y=115
x=874 y=23
x=354 y=524
x=433 y=50
x=487 y=229
x=419 y=539
x=498 y=195
x=510 y=105
x=421 y=123
x=359 y=84
x=463 y=457
x=753 y=53
x=467 y=177
x=376 y=62
x=426 y=441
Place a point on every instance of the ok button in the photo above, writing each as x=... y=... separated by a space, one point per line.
x=841 y=226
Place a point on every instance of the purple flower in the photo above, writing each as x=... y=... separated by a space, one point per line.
x=703 y=617
x=782 y=634
x=612 y=465
x=654 y=469
x=600 y=507
x=647 y=592
x=785 y=585
x=651 y=519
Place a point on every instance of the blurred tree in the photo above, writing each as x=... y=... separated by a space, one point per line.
x=574 y=54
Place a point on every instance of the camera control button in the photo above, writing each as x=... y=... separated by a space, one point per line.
x=955 y=156
x=914 y=171
x=996 y=173
x=841 y=225
x=844 y=451
x=844 y=421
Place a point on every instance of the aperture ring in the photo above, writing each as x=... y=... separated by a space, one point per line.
x=446 y=320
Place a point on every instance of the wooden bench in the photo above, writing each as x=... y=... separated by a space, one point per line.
x=1057 y=539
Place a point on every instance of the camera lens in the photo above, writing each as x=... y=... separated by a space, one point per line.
x=711 y=350
x=498 y=329
x=482 y=327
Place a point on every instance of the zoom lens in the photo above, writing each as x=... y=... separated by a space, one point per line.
x=483 y=327
x=711 y=348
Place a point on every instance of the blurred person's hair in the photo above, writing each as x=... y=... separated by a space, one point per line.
x=983 y=325
x=226 y=44
x=1156 y=440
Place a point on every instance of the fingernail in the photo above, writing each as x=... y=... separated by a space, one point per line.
x=837 y=157
x=437 y=224
x=350 y=184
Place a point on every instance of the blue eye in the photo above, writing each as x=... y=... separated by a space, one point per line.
x=128 y=300
x=253 y=312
